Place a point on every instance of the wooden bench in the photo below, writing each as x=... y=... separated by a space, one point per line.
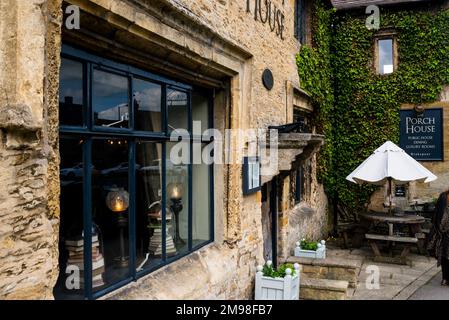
x=370 y=236
x=378 y=257
x=412 y=221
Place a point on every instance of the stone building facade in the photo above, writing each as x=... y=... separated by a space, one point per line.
x=223 y=46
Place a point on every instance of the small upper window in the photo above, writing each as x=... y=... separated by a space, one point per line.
x=303 y=119
x=300 y=21
x=299 y=185
x=385 y=56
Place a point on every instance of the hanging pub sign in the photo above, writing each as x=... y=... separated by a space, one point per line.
x=421 y=134
x=251 y=175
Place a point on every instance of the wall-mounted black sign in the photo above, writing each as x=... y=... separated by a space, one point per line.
x=267 y=79
x=421 y=134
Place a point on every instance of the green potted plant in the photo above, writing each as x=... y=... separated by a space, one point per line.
x=310 y=249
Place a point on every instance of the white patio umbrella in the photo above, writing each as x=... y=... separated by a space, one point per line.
x=387 y=163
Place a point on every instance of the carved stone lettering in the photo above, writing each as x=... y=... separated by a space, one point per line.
x=267 y=11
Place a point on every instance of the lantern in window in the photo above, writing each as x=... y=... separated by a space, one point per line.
x=117 y=200
x=174 y=191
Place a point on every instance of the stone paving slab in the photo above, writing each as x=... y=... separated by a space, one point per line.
x=432 y=290
x=390 y=278
x=386 y=292
x=397 y=282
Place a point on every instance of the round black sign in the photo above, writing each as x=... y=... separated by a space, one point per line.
x=267 y=79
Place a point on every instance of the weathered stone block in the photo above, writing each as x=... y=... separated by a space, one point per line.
x=323 y=289
x=18 y=117
x=346 y=274
x=314 y=294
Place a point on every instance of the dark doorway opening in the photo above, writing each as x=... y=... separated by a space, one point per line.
x=270 y=220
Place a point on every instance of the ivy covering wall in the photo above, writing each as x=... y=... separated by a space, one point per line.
x=356 y=108
x=316 y=73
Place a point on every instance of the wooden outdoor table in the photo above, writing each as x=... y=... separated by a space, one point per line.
x=414 y=223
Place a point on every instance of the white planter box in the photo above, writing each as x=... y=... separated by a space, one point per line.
x=277 y=288
x=320 y=253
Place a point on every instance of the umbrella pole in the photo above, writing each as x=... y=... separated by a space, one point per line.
x=389 y=194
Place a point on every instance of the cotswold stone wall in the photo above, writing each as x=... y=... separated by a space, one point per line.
x=308 y=219
x=29 y=186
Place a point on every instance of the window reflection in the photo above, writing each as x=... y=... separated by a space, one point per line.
x=386 y=56
x=110 y=99
x=110 y=208
x=178 y=200
x=200 y=110
x=177 y=106
x=147 y=105
x=149 y=206
x=71 y=222
x=71 y=93
x=201 y=201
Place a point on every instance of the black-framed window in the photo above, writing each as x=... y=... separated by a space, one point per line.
x=303 y=118
x=299 y=184
x=300 y=21
x=126 y=207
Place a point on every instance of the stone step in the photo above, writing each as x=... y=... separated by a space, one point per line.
x=331 y=268
x=323 y=289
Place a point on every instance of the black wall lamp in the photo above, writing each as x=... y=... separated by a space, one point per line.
x=419 y=109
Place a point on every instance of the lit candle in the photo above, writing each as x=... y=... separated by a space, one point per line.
x=118 y=204
x=175 y=192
